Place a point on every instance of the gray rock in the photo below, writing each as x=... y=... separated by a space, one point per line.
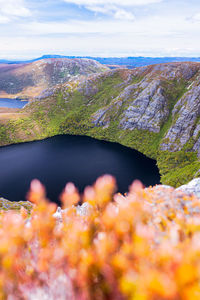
x=148 y=111
x=100 y=118
x=193 y=187
x=185 y=114
x=197 y=147
x=97 y=118
x=81 y=210
x=84 y=209
x=146 y=107
x=58 y=214
x=196 y=131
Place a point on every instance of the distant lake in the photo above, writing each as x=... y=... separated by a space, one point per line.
x=12 y=103
x=60 y=159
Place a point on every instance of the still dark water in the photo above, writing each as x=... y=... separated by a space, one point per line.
x=12 y=103
x=58 y=160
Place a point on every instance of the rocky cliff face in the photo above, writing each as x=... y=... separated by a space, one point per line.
x=29 y=80
x=154 y=109
x=186 y=120
x=149 y=104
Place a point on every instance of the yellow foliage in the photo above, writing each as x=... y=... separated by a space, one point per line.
x=141 y=246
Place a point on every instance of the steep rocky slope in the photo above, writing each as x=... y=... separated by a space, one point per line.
x=154 y=109
x=29 y=80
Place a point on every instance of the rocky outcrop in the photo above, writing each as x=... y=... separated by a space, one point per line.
x=197 y=147
x=185 y=123
x=163 y=191
x=193 y=187
x=98 y=117
x=150 y=103
x=148 y=111
x=81 y=210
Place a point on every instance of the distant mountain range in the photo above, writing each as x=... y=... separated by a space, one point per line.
x=129 y=62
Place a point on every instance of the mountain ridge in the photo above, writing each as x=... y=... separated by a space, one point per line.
x=30 y=79
x=130 y=61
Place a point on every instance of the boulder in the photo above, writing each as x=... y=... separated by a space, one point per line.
x=193 y=187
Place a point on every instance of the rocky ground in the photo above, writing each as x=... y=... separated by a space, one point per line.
x=166 y=193
x=192 y=188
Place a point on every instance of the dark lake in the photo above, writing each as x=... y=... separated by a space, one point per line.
x=60 y=159
x=12 y=103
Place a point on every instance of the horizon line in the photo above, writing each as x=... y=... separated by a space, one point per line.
x=98 y=56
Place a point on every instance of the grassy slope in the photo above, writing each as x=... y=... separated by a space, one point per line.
x=56 y=115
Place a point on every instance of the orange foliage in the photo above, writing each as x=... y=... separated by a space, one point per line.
x=142 y=246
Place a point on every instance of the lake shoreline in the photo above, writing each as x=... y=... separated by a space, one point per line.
x=79 y=159
x=12 y=103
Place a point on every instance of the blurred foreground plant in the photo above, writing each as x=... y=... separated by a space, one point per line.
x=142 y=246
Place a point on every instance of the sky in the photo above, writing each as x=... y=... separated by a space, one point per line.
x=106 y=28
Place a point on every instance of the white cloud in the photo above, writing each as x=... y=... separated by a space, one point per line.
x=147 y=26
x=150 y=35
x=122 y=14
x=113 y=2
x=154 y=32
x=10 y=9
x=113 y=10
x=4 y=19
x=117 y=8
x=130 y=44
x=78 y=27
x=196 y=17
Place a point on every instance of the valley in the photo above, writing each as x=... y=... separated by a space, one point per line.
x=153 y=109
